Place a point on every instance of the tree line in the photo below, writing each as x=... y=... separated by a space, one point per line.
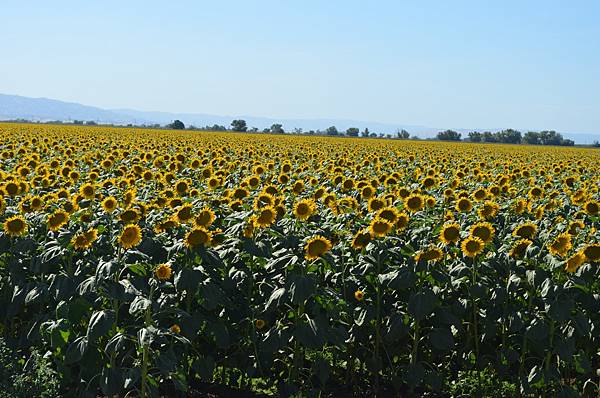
x=509 y=136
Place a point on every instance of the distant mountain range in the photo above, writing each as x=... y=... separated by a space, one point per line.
x=44 y=109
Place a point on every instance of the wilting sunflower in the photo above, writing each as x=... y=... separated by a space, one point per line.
x=131 y=236
x=526 y=231
x=304 y=208
x=574 y=262
x=163 y=272
x=472 y=246
x=414 y=202
x=265 y=217
x=464 y=205
x=316 y=247
x=259 y=324
x=592 y=252
x=198 y=236
x=432 y=254
x=450 y=233
x=109 y=204
x=361 y=239
x=57 y=219
x=205 y=218
x=561 y=245
x=15 y=226
x=380 y=227
x=592 y=207
x=519 y=248
x=483 y=230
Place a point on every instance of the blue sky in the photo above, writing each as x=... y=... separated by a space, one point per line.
x=455 y=64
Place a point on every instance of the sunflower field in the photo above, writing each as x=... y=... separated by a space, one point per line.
x=144 y=262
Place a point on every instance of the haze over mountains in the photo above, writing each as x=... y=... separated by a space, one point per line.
x=44 y=109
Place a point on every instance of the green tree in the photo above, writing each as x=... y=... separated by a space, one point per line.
x=448 y=135
x=332 y=131
x=277 y=129
x=475 y=136
x=402 y=134
x=352 y=132
x=239 y=125
x=176 y=125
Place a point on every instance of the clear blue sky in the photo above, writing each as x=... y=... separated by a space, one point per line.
x=523 y=64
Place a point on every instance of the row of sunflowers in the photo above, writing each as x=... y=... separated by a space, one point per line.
x=147 y=261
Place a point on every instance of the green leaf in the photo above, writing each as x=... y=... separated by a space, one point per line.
x=441 y=338
x=301 y=288
x=187 y=279
x=100 y=323
x=422 y=303
x=275 y=299
x=75 y=350
x=139 y=304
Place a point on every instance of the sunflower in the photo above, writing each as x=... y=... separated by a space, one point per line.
x=472 y=246
x=380 y=227
x=414 y=202
x=519 y=248
x=359 y=295
x=259 y=324
x=83 y=241
x=389 y=214
x=265 y=217
x=163 y=272
x=316 y=247
x=109 y=204
x=450 y=233
x=432 y=254
x=526 y=231
x=264 y=199
x=184 y=214
x=574 y=262
x=361 y=239
x=375 y=204
x=88 y=191
x=488 y=210
x=402 y=221
x=12 y=189
x=15 y=226
x=205 y=218
x=561 y=245
x=175 y=329
x=304 y=208
x=464 y=205
x=592 y=252
x=57 y=219
x=592 y=207
x=198 y=236
x=131 y=236
x=483 y=230
x=130 y=216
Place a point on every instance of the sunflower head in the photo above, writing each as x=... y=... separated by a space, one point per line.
x=464 y=205
x=163 y=272
x=205 y=218
x=198 y=236
x=304 y=208
x=316 y=247
x=109 y=204
x=389 y=214
x=57 y=219
x=380 y=227
x=265 y=217
x=15 y=226
x=259 y=324
x=431 y=254
x=175 y=329
x=483 y=230
x=472 y=246
x=592 y=252
x=525 y=231
x=592 y=207
x=359 y=295
x=414 y=202
x=361 y=239
x=574 y=262
x=450 y=233
x=561 y=245
x=519 y=248
x=130 y=237
x=184 y=214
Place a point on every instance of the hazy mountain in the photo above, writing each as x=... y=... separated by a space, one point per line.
x=44 y=109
